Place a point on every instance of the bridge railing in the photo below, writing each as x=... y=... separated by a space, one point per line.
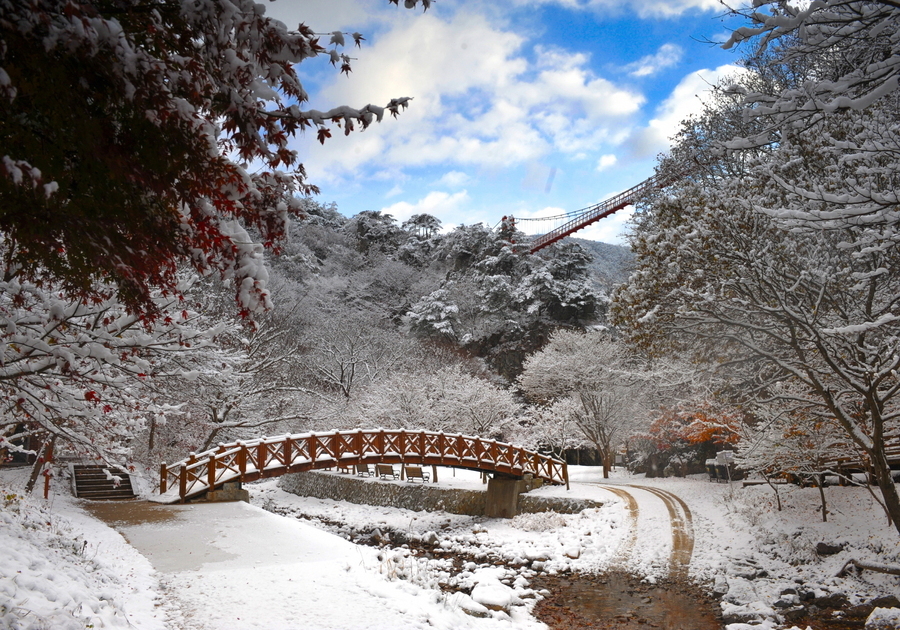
x=269 y=457
x=597 y=212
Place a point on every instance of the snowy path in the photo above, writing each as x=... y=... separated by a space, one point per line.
x=682 y=531
x=661 y=531
x=233 y=565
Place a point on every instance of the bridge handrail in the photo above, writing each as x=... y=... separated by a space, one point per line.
x=272 y=456
x=597 y=211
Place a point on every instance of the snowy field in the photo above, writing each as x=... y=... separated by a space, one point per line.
x=213 y=566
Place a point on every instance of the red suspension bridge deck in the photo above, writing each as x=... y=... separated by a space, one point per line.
x=580 y=219
x=274 y=456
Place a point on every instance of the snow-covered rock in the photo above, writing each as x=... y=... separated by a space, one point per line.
x=491 y=592
x=884 y=619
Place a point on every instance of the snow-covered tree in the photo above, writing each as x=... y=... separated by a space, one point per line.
x=422 y=225
x=78 y=373
x=448 y=399
x=345 y=352
x=834 y=109
x=608 y=391
x=549 y=427
x=783 y=442
x=500 y=302
x=128 y=129
x=777 y=261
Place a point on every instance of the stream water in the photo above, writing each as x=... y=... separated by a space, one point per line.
x=621 y=602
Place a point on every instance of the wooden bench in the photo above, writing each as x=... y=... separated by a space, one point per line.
x=416 y=472
x=363 y=470
x=386 y=471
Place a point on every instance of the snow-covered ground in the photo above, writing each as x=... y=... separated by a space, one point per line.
x=214 y=566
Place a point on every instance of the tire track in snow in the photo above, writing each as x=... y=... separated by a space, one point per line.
x=682 y=530
x=624 y=553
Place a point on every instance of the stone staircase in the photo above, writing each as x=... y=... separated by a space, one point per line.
x=92 y=482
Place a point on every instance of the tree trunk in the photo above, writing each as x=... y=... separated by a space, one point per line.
x=886 y=485
x=820 y=481
x=46 y=447
x=209 y=440
x=774 y=489
x=891 y=569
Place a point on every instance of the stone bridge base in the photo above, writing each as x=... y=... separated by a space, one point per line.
x=504 y=497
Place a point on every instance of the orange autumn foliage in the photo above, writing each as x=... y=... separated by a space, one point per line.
x=687 y=426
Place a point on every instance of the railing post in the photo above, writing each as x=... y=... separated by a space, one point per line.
x=288 y=451
x=163 y=478
x=211 y=472
x=337 y=445
x=242 y=461
x=262 y=454
x=182 y=482
x=358 y=443
x=565 y=468
x=311 y=447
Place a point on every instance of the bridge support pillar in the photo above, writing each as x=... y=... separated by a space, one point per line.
x=502 y=498
x=232 y=491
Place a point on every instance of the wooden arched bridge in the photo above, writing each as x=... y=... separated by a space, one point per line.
x=274 y=456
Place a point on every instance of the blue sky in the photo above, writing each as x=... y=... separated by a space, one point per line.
x=520 y=107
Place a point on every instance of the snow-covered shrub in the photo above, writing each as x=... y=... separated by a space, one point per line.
x=47 y=580
x=404 y=564
x=539 y=521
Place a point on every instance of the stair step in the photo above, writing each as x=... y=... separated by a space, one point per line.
x=91 y=482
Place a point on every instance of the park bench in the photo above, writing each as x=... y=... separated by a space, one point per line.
x=386 y=471
x=416 y=472
x=363 y=470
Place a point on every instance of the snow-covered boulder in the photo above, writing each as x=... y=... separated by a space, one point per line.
x=884 y=619
x=491 y=592
x=746 y=613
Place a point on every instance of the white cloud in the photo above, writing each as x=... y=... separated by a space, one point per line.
x=453 y=179
x=668 y=55
x=685 y=100
x=643 y=8
x=477 y=100
x=434 y=203
x=606 y=161
x=611 y=229
x=543 y=213
x=393 y=192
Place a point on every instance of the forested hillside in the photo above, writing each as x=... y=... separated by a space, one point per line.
x=381 y=323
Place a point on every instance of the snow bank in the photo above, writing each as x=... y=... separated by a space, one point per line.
x=68 y=573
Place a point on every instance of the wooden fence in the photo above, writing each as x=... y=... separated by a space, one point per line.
x=273 y=456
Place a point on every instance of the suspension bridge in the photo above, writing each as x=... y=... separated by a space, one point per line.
x=262 y=458
x=571 y=222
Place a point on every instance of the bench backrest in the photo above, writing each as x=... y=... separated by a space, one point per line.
x=413 y=471
x=384 y=469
